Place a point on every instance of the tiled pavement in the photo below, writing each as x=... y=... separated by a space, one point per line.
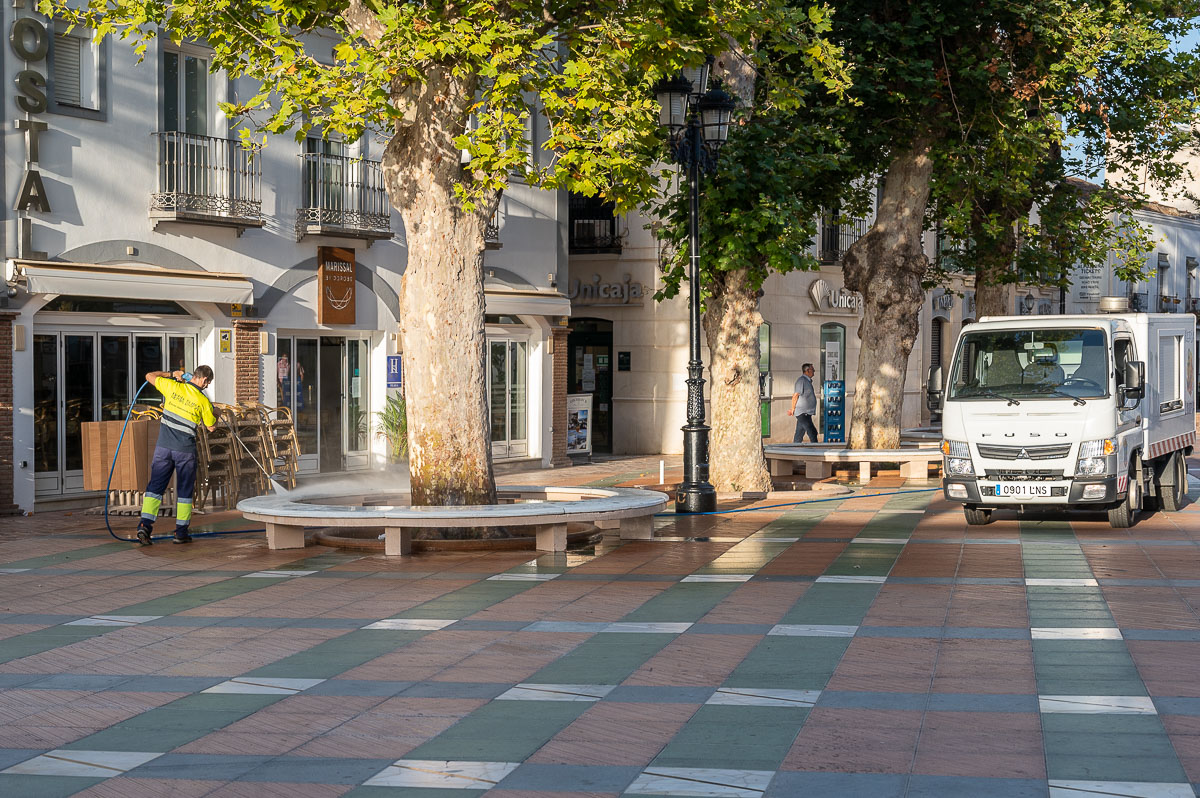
x=867 y=646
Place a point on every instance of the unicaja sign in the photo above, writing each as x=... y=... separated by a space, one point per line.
x=825 y=298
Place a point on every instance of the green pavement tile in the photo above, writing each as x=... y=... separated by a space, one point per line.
x=833 y=604
x=686 y=602
x=606 y=658
x=196 y=597
x=468 y=600
x=793 y=524
x=617 y=479
x=745 y=558
x=52 y=560
x=1067 y=606
x=911 y=501
x=891 y=525
x=336 y=656
x=177 y=723
x=320 y=562
x=43 y=786
x=1109 y=748
x=246 y=703
x=864 y=559
x=502 y=731
x=734 y=737
x=1039 y=530
x=1085 y=667
x=27 y=645
x=790 y=663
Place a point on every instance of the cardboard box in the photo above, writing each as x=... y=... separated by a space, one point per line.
x=132 y=470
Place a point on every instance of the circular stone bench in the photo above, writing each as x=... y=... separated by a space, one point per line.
x=819 y=459
x=547 y=509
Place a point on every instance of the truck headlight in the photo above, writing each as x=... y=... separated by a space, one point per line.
x=958 y=459
x=1096 y=458
x=959 y=467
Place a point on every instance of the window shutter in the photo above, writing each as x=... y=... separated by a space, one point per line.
x=67 y=56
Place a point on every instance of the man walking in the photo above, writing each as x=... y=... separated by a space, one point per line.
x=804 y=405
x=184 y=407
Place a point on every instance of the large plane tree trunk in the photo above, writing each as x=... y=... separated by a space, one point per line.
x=442 y=302
x=731 y=322
x=886 y=266
x=993 y=294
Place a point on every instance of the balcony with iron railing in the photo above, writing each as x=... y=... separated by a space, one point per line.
x=837 y=234
x=207 y=180
x=593 y=227
x=343 y=197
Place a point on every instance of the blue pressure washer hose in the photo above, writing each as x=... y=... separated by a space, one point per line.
x=113 y=468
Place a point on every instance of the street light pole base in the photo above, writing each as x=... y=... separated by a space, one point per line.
x=695 y=497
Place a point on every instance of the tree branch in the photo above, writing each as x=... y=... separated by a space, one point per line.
x=362 y=21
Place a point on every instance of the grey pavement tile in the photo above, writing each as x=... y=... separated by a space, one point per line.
x=71 y=681
x=12 y=756
x=729 y=629
x=488 y=626
x=570 y=778
x=304 y=770
x=1177 y=706
x=847 y=699
x=359 y=687
x=790 y=784
x=372 y=791
x=227 y=767
x=900 y=631
x=11 y=680
x=1167 y=635
x=638 y=694
x=484 y=690
x=986 y=633
x=973 y=702
x=921 y=786
x=171 y=684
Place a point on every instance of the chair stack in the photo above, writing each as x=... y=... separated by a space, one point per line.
x=282 y=445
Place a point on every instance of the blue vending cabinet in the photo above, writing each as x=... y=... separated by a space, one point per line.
x=833 y=416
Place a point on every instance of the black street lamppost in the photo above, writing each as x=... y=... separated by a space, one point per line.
x=697 y=119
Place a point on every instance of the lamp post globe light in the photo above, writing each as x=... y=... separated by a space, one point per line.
x=697 y=120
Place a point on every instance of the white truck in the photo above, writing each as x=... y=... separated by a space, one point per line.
x=1083 y=412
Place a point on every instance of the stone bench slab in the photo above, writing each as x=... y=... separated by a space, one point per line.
x=547 y=509
x=818 y=460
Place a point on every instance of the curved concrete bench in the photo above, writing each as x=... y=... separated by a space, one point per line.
x=819 y=459
x=552 y=508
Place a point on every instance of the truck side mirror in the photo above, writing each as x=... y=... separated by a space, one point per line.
x=933 y=389
x=1135 y=380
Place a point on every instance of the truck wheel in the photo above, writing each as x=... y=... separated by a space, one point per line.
x=1172 y=497
x=1123 y=515
x=977 y=517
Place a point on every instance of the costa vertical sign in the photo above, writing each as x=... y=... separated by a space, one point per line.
x=335 y=284
x=30 y=41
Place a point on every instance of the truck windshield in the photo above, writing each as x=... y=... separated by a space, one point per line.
x=1030 y=364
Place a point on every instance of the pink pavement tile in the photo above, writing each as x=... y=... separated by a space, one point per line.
x=981 y=745
x=887 y=664
x=997 y=667
x=856 y=741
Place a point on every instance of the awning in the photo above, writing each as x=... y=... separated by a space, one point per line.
x=528 y=303
x=132 y=280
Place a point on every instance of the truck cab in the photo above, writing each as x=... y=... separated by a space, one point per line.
x=1085 y=412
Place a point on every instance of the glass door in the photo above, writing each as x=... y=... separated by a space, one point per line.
x=358 y=414
x=508 y=396
x=80 y=377
x=325 y=382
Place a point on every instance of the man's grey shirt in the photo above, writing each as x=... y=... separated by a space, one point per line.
x=807 y=403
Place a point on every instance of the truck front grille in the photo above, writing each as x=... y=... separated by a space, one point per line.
x=1032 y=475
x=1054 y=452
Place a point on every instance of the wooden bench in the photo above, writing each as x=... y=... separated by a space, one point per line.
x=547 y=509
x=819 y=459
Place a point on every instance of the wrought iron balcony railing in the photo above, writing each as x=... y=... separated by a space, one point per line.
x=837 y=235
x=343 y=196
x=593 y=226
x=208 y=180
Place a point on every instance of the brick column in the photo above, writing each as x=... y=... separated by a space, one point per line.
x=558 y=445
x=7 y=442
x=247 y=360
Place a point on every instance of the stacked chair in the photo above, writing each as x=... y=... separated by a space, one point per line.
x=245 y=438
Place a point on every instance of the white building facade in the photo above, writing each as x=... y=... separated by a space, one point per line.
x=140 y=234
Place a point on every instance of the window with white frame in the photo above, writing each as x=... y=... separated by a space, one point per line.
x=186 y=94
x=75 y=69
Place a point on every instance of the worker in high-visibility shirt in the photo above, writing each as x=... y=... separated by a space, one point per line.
x=184 y=408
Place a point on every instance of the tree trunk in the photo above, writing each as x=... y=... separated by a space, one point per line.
x=442 y=301
x=886 y=266
x=731 y=322
x=993 y=296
